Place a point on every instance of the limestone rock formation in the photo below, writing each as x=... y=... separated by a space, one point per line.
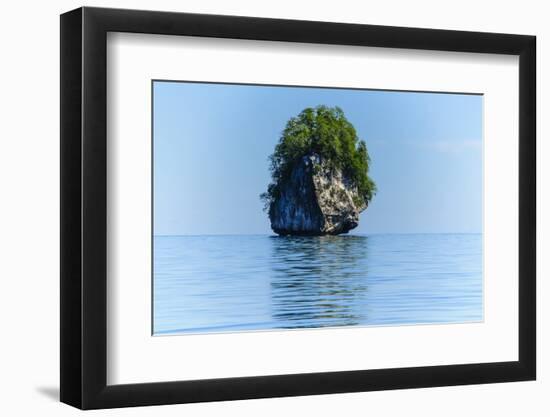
x=317 y=199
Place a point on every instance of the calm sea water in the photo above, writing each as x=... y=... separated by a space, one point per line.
x=243 y=283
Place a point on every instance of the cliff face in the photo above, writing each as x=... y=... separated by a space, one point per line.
x=316 y=200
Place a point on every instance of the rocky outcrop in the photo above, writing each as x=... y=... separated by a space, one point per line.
x=315 y=200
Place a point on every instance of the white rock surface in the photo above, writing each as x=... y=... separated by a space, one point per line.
x=316 y=200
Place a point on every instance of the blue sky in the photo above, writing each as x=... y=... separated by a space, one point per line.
x=212 y=141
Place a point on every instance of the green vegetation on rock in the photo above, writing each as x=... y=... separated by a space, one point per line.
x=326 y=132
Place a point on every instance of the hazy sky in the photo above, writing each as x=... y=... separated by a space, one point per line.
x=212 y=141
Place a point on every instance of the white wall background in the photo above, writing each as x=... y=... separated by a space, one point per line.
x=29 y=211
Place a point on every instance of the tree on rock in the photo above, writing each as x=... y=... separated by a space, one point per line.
x=319 y=173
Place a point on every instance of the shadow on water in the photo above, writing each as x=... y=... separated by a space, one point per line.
x=318 y=281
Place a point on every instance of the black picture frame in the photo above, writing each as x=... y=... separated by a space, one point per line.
x=84 y=208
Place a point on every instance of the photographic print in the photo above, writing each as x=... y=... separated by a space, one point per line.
x=286 y=207
x=356 y=203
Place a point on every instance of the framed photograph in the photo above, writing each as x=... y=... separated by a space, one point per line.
x=257 y=208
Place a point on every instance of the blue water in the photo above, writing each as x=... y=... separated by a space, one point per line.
x=242 y=283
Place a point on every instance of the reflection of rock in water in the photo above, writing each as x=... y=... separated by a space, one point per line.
x=319 y=281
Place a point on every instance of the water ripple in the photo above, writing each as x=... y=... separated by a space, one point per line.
x=238 y=283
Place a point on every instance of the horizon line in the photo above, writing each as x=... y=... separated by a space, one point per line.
x=342 y=234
